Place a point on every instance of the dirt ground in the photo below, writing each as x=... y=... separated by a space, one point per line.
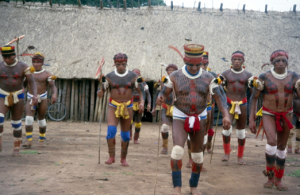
x=69 y=165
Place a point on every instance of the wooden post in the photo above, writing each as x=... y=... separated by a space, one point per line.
x=118 y=4
x=109 y=1
x=294 y=8
x=199 y=6
x=72 y=100
x=132 y=3
x=124 y=2
x=221 y=7
x=266 y=8
x=92 y=104
x=79 y=3
x=64 y=92
x=82 y=92
x=86 y=102
x=50 y=2
x=149 y=3
x=68 y=99
x=171 y=5
x=104 y=107
x=100 y=101
x=23 y=2
x=139 y=4
x=244 y=6
x=182 y=5
x=76 y=100
x=101 y=4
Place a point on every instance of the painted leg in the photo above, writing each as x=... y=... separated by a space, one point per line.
x=226 y=146
x=42 y=137
x=297 y=143
x=17 y=132
x=136 y=136
x=1 y=133
x=269 y=172
x=111 y=151
x=210 y=134
x=189 y=164
x=195 y=176
x=131 y=130
x=176 y=166
x=241 y=148
x=289 y=143
x=124 y=149
x=29 y=130
x=279 y=172
x=165 y=137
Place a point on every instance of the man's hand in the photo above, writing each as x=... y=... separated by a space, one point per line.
x=141 y=107
x=252 y=126
x=148 y=108
x=34 y=101
x=298 y=117
x=226 y=123
x=100 y=93
x=153 y=112
x=160 y=100
x=53 y=99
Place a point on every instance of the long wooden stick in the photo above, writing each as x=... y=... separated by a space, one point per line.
x=212 y=148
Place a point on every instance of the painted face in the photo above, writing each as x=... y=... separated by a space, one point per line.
x=193 y=68
x=170 y=70
x=204 y=66
x=121 y=67
x=237 y=63
x=9 y=60
x=280 y=62
x=37 y=63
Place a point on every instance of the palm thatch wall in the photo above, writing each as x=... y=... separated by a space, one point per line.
x=73 y=39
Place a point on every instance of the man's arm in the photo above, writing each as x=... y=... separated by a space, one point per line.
x=253 y=109
x=54 y=91
x=148 y=96
x=222 y=105
x=162 y=96
x=139 y=89
x=32 y=84
x=104 y=86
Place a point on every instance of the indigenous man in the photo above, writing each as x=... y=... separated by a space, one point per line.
x=43 y=79
x=121 y=83
x=166 y=112
x=296 y=129
x=191 y=85
x=277 y=87
x=136 y=114
x=12 y=74
x=236 y=85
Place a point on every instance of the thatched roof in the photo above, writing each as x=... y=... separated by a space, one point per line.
x=74 y=39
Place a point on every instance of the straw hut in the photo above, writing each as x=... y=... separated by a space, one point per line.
x=73 y=40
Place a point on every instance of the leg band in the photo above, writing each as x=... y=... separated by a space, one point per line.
x=42 y=123
x=227 y=148
x=210 y=132
x=125 y=136
x=29 y=136
x=137 y=125
x=176 y=177
x=197 y=157
x=29 y=120
x=165 y=128
x=1 y=118
x=131 y=121
x=111 y=132
x=194 y=180
x=271 y=150
x=241 y=133
x=227 y=132
x=16 y=125
x=205 y=139
x=177 y=152
x=281 y=153
x=42 y=137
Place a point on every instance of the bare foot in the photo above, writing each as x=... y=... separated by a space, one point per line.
x=241 y=161
x=41 y=144
x=164 y=151
x=27 y=145
x=177 y=191
x=297 y=151
x=189 y=164
x=209 y=151
x=289 y=150
x=203 y=169
x=16 y=153
x=269 y=184
x=195 y=191
x=280 y=186
x=123 y=162
x=136 y=142
x=110 y=161
x=225 y=158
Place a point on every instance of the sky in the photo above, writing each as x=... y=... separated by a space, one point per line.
x=257 y=5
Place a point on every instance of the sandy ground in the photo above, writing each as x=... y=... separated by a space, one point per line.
x=69 y=165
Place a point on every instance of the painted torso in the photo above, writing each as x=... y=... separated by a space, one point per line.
x=11 y=78
x=41 y=80
x=121 y=88
x=136 y=95
x=236 y=84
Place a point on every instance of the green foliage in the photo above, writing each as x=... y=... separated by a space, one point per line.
x=29 y=152
x=295 y=173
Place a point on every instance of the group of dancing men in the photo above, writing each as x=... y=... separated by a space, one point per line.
x=188 y=97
